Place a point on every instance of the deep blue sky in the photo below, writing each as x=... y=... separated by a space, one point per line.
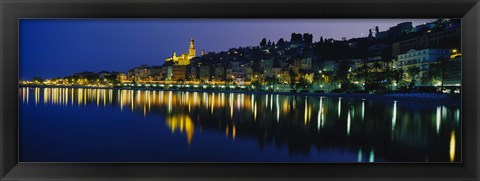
x=52 y=48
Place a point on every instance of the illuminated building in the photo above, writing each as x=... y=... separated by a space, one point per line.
x=142 y=73
x=421 y=59
x=179 y=72
x=306 y=63
x=121 y=77
x=205 y=73
x=219 y=73
x=448 y=38
x=183 y=59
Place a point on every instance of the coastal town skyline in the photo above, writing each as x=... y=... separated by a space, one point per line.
x=50 y=43
x=238 y=95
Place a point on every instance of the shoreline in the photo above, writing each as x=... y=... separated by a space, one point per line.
x=445 y=99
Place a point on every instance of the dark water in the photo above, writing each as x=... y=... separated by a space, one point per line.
x=109 y=125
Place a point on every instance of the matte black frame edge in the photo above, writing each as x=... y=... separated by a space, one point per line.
x=10 y=11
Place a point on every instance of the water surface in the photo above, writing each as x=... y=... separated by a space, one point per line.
x=114 y=125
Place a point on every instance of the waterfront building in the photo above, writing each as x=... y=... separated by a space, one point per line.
x=121 y=77
x=267 y=65
x=184 y=58
x=276 y=72
x=219 y=73
x=454 y=76
x=446 y=38
x=281 y=88
x=142 y=73
x=130 y=75
x=247 y=73
x=420 y=59
x=156 y=73
x=179 y=72
x=204 y=73
x=167 y=72
x=234 y=71
x=379 y=51
x=330 y=66
x=306 y=63
x=399 y=29
x=104 y=74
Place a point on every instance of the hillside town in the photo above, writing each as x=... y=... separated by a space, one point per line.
x=403 y=58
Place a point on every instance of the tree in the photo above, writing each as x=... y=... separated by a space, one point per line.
x=307 y=38
x=256 y=85
x=360 y=73
x=412 y=73
x=280 y=42
x=439 y=69
x=396 y=76
x=293 y=75
x=263 y=42
x=377 y=66
x=342 y=73
x=296 y=38
x=304 y=84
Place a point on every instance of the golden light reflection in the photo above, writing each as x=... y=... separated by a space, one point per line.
x=179 y=109
x=252 y=97
x=277 y=108
x=231 y=105
x=305 y=112
x=234 y=132
x=226 y=131
x=452 y=146
x=183 y=123
x=255 y=112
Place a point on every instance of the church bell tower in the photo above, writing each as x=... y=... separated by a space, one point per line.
x=191 y=49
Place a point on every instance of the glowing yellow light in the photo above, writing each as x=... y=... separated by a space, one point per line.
x=255 y=112
x=181 y=122
x=306 y=112
x=226 y=131
x=452 y=146
x=234 y=132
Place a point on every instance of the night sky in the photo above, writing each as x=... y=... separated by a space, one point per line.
x=57 y=48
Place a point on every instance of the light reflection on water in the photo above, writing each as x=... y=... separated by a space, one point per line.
x=416 y=131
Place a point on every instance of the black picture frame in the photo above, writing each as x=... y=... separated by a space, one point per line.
x=12 y=10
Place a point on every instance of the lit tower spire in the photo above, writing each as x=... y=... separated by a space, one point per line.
x=191 y=49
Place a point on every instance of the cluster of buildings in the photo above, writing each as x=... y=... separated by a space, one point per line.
x=327 y=64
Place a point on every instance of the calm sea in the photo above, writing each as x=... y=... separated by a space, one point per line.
x=114 y=125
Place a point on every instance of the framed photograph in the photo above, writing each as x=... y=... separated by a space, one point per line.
x=320 y=90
